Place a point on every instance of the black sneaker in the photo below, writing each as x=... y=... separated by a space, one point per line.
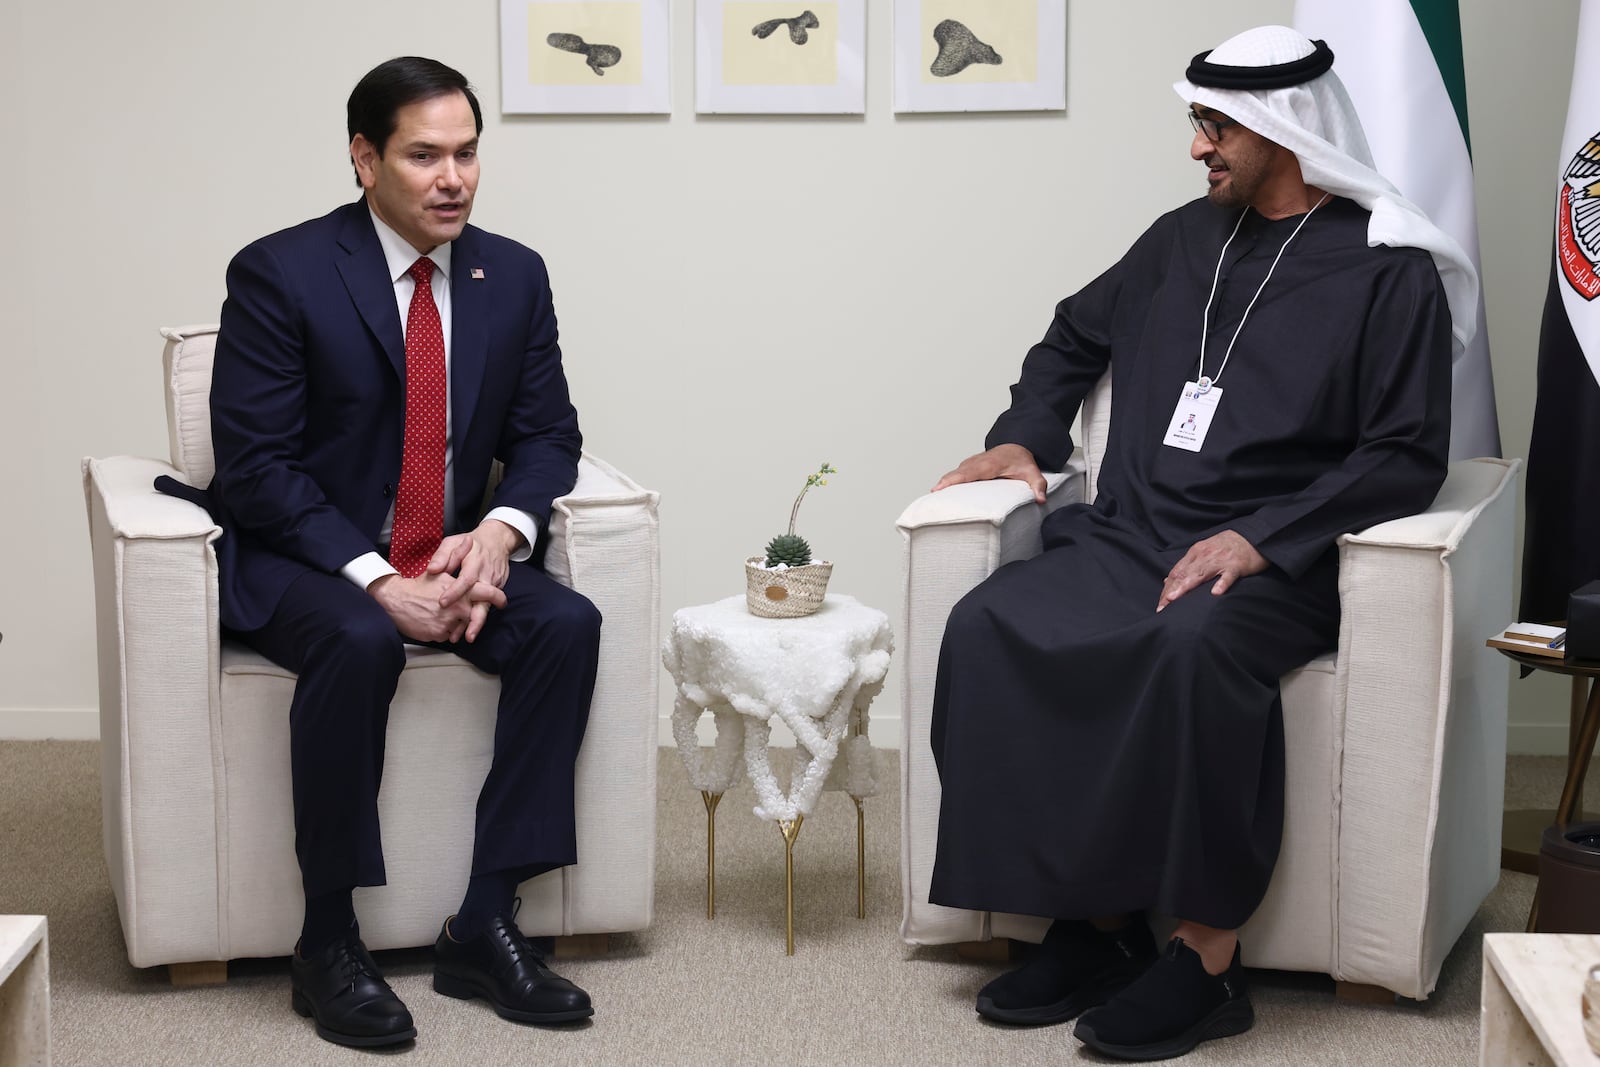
x=1171 y=1009
x=1076 y=968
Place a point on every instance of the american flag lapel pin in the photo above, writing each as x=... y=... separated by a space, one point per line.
x=477 y=273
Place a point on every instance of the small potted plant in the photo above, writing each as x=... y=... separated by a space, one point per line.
x=787 y=583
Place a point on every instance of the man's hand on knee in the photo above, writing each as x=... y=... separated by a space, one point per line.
x=478 y=600
x=482 y=555
x=414 y=604
x=1226 y=556
x=1001 y=461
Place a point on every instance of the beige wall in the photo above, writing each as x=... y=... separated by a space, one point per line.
x=740 y=298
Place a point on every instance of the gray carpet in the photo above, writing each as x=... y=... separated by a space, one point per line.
x=685 y=991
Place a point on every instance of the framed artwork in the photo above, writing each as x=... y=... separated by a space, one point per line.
x=980 y=55
x=765 y=57
x=585 y=57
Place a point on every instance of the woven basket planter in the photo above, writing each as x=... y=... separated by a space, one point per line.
x=786 y=594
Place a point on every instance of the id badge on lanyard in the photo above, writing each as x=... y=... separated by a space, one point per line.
x=1191 y=419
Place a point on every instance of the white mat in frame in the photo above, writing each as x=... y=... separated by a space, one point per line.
x=980 y=55
x=766 y=57
x=585 y=57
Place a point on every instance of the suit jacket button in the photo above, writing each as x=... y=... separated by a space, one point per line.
x=388 y=491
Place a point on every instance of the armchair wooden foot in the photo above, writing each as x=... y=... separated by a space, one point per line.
x=1363 y=994
x=995 y=950
x=206 y=972
x=577 y=945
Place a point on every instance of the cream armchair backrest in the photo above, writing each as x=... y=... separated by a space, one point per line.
x=194 y=729
x=1395 y=744
x=1094 y=425
x=186 y=374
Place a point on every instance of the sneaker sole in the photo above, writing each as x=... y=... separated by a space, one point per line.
x=1046 y=1015
x=1226 y=1020
x=463 y=989
x=302 y=1007
x=1067 y=1008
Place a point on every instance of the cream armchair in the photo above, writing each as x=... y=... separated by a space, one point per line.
x=1395 y=743
x=194 y=730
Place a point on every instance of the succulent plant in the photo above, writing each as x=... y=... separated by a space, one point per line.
x=788 y=549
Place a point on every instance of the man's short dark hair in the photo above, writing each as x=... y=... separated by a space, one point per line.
x=378 y=97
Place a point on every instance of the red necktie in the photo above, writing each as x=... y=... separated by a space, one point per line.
x=419 y=504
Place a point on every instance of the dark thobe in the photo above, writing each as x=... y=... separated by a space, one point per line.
x=1095 y=756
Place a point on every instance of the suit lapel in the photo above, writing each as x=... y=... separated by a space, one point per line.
x=366 y=279
x=469 y=331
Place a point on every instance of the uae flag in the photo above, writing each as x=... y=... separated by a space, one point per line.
x=1401 y=61
x=1561 y=542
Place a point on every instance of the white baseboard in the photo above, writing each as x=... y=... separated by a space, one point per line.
x=884 y=732
x=58 y=724
x=83 y=724
x=1522 y=739
x=1537 y=739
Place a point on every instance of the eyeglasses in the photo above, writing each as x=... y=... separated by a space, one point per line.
x=1208 y=126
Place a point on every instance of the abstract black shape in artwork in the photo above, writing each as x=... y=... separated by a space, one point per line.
x=598 y=56
x=797 y=27
x=959 y=48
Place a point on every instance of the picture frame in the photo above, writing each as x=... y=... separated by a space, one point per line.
x=980 y=55
x=573 y=57
x=766 y=57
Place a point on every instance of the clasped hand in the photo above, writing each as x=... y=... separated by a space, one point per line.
x=451 y=598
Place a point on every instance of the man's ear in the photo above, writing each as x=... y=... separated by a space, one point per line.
x=364 y=155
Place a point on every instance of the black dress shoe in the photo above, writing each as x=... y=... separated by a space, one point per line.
x=1076 y=968
x=341 y=989
x=1174 y=1007
x=502 y=967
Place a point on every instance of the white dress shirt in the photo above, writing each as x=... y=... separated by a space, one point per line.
x=399 y=255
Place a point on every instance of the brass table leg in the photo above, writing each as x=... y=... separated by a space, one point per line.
x=790 y=829
x=711 y=801
x=858 y=727
x=1572 y=791
x=861 y=860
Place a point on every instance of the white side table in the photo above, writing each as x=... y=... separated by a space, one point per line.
x=1532 y=997
x=24 y=991
x=817 y=675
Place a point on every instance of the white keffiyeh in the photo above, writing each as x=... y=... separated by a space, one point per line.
x=1317 y=122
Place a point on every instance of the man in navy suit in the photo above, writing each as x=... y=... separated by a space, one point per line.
x=370 y=367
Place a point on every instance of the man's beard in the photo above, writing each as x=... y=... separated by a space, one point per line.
x=1245 y=176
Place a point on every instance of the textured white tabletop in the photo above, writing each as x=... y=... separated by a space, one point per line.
x=1544 y=974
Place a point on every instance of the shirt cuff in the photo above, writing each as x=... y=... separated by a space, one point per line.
x=522 y=522
x=366 y=569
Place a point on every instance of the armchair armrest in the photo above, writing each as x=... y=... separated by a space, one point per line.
x=1418 y=596
x=604 y=543
x=157 y=631
x=994 y=502
x=954 y=539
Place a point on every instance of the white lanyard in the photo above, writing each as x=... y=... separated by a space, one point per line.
x=1202 y=383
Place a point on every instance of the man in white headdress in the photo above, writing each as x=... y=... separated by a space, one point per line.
x=1106 y=716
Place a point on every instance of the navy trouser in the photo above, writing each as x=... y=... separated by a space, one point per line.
x=348 y=655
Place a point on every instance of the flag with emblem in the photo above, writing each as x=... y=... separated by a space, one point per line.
x=1401 y=62
x=1561 y=541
